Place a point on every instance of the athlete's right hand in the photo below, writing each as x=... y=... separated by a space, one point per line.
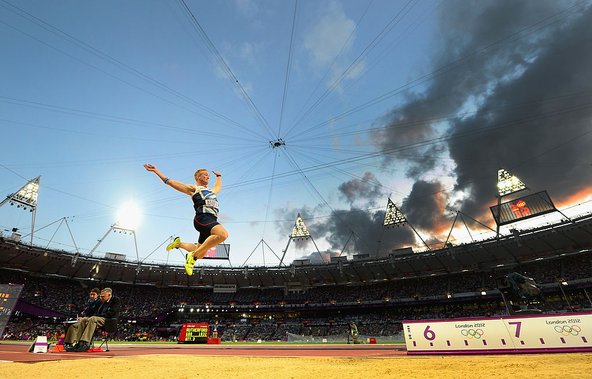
x=149 y=167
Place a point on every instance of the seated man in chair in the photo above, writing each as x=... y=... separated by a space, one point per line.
x=93 y=303
x=522 y=294
x=524 y=288
x=84 y=329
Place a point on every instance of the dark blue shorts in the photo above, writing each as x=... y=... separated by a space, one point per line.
x=203 y=223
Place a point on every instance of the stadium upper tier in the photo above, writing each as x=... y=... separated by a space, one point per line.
x=523 y=246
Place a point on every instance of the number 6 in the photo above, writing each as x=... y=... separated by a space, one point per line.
x=429 y=334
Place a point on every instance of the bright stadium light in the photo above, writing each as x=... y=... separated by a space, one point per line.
x=508 y=183
x=128 y=216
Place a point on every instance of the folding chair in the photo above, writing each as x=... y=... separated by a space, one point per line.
x=107 y=331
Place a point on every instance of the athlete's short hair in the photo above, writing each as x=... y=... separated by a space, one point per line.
x=198 y=171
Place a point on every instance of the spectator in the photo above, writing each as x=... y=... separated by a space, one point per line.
x=92 y=304
x=84 y=329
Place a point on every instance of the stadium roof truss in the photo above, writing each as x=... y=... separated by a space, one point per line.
x=522 y=246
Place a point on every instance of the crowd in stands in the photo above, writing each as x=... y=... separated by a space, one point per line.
x=148 y=312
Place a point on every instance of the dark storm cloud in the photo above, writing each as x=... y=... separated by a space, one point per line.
x=542 y=129
x=365 y=232
x=353 y=231
x=523 y=67
x=464 y=67
x=425 y=205
x=512 y=88
x=428 y=160
x=367 y=189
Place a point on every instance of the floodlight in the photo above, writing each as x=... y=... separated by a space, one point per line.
x=300 y=230
x=29 y=193
x=508 y=183
x=393 y=216
x=26 y=198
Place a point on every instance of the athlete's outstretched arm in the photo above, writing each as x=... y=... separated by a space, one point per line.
x=218 y=184
x=181 y=187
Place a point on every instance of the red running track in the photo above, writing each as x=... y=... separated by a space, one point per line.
x=18 y=352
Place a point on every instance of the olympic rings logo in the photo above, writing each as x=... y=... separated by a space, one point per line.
x=472 y=333
x=566 y=330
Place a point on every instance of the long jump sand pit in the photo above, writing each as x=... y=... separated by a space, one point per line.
x=277 y=363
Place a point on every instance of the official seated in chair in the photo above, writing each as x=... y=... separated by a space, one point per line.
x=93 y=303
x=521 y=289
x=80 y=334
x=524 y=288
x=90 y=307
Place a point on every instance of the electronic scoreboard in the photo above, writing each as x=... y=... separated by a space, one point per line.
x=9 y=294
x=194 y=333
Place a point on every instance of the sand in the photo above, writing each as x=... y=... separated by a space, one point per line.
x=565 y=366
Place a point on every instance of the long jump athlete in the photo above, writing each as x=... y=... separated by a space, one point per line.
x=211 y=232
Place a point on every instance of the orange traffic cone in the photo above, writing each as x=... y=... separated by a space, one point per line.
x=59 y=347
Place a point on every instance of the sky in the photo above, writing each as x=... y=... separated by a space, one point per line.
x=320 y=108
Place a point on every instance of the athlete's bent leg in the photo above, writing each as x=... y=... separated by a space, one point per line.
x=188 y=246
x=217 y=236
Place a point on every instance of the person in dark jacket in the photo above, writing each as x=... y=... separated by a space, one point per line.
x=92 y=304
x=84 y=329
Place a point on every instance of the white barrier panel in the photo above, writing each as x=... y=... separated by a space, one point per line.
x=40 y=345
x=504 y=334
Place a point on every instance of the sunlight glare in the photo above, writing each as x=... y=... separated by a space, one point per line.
x=128 y=216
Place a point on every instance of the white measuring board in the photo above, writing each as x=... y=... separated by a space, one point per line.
x=501 y=334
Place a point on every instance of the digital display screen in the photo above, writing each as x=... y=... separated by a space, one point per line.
x=194 y=333
x=9 y=294
x=522 y=208
x=221 y=251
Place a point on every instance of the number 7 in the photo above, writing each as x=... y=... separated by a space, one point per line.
x=518 y=326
